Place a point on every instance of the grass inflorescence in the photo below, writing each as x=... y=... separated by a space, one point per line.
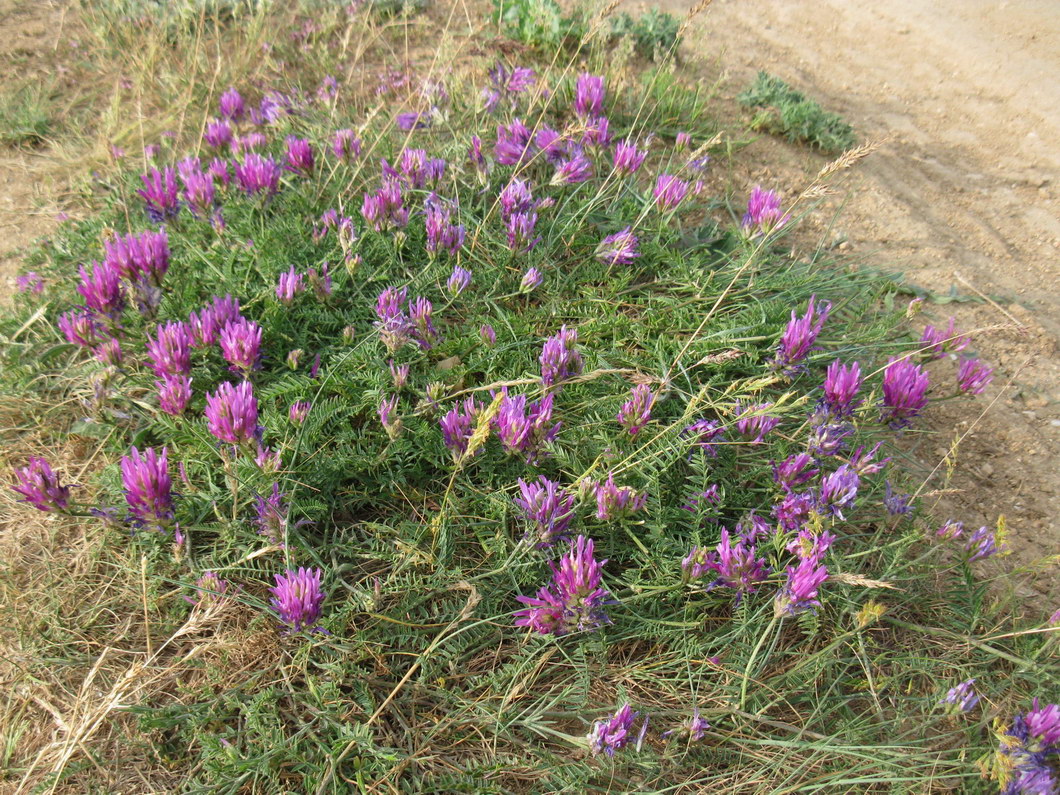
x=453 y=436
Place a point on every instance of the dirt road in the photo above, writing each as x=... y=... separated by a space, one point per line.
x=964 y=198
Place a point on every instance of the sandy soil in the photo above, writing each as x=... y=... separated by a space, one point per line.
x=962 y=198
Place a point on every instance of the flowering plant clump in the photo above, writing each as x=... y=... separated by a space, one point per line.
x=387 y=343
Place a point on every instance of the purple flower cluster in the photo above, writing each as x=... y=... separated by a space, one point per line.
x=257 y=175
x=271 y=516
x=973 y=377
x=841 y=387
x=160 y=194
x=148 y=487
x=1028 y=750
x=40 y=486
x=905 y=387
x=560 y=358
x=614 y=733
x=753 y=421
x=800 y=337
x=547 y=508
x=232 y=413
x=614 y=502
x=618 y=249
x=669 y=192
x=240 y=341
x=575 y=600
x=736 y=565
x=385 y=209
x=401 y=321
x=442 y=233
x=705 y=435
x=458 y=424
x=939 y=342
x=524 y=429
x=636 y=412
x=297 y=598
x=763 y=212
x=961 y=698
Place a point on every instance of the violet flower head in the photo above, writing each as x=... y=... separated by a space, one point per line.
x=838 y=491
x=1025 y=752
x=240 y=341
x=753 y=421
x=520 y=228
x=950 y=530
x=800 y=337
x=390 y=423
x=547 y=508
x=597 y=132
x=896 y=504
x=250 y=142
x=628 y=158
x=199 y=193
x=109 y=352
x=218 y=134
x=299 y=155
x=271 y=517
x=669 y=192
x=160 y=194
x=477 y=159
x=694 y=728
x=143 y=257
x=399 y=374
x=174 y=393
x=615 y=502
x=207 y=323
x=231 y=105
x=794 y=471
x=525 y=429
x=516 y=197
x=531 y=280
x=905 y=387
x=864 y=461
x=736 y=565
x=1043 y=723
x=560 y=358
x=257 y=175
x=209 y=590
x=828 y=439
x=810 y=545
x=320 y=281
x=218 y=169
x=232 y=413
x=799 y=593
x=458 y=281
x=614 y=733
x=147 y=485
x=589 y=95
x=841 y=386
x=385 y=209
x=458 y=425
x=573 y=171
x=487 y=335
x=961 y=698
x=394 y=326
x=705 y=434
x=80 y=327
x=170 y=350
x=514 y=143
x=763 y=212
x=423 y=331
x=40 y=486
x=618 y=249
x=442 y=233
x=417 y=169
x=982 y=544
x=30 y=282
x=346 y=145
x=413 y=120
x=636 y=412
x=298 y=411
x=794 y=510
x=268 y=460
x=575 y=599
x=290 y=284
x=297 y=598
x=939 y=342
x=102 y=289
x=973 y=377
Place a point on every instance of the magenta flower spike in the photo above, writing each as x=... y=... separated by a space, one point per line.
x=147 y=485
x=905 y=387
x=614 y=733
x=346 y=145
x=939 y=342
x=669 y=192
x=753 y=421
x=795 y=471
x=271 y=516
x=423 y=331
x=231 y=105
x=973 y=377
x=170 y=350
x=257 y=175
x=547 y=509
x=290 y=284
x=390 y=423
x=40 y=486
x=160 y=194
x=799 y=593
x=636 y=412
x=218 y=169
x=174 y=393
x=615 y=502
x=102 y=289
x=705 y=435
x=525 y=429
x=575 y=170
x=143 y=257
x=514 y=143
x=841 y=386
x=520 y=228
x=459 y=281
x=218 y=134
x=736 y=565
x=458 y=424
x=442 y=234
x=800 y=337
x=982 y=544
x=516 y=198
x=628 y=158
x=240 y=341
x=81 y=327
x=560 y=358
x=589 y=95
x=298 y=411
x=109 y=352
x=399 y=374
x=232 y=413
x=199 y=193
x=794 y=510
x=297 y=598
x=763 y=212
x=575 y=599
x=838 y=491
x=299 y=156
x=210 y=589
x=488 y=335
x=618 y=249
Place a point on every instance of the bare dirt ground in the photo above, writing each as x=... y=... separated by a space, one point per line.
x=964 y=196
